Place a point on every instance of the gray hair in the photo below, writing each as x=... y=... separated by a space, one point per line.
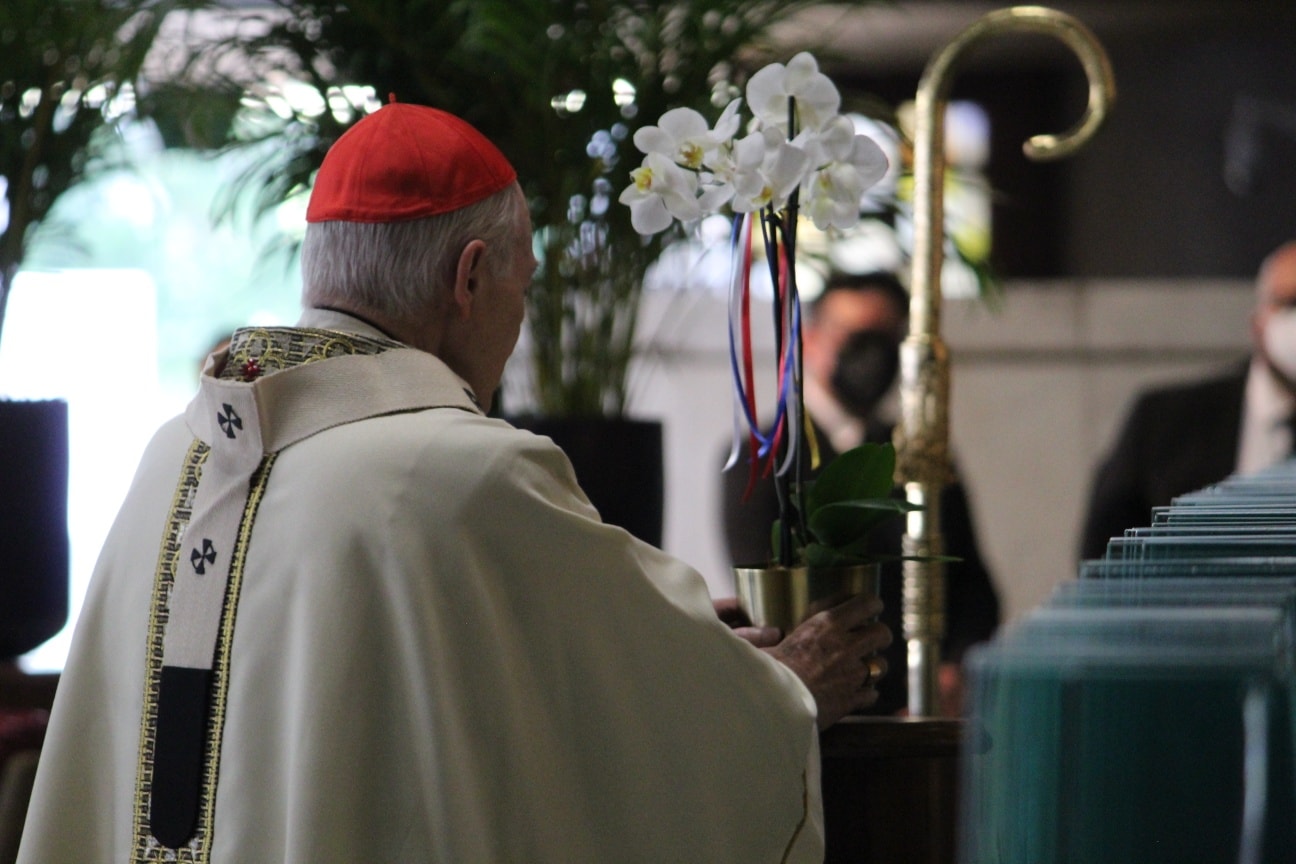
x=397 y=269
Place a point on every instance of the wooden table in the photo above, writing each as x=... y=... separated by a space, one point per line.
x=890 y=790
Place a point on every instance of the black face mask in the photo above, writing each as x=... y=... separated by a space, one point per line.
x=866 y=368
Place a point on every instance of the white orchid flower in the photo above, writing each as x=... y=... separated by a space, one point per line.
x=781 y=169
x=714 y=193
x=728 y=124
x=854 y=163
x=684 y=135
x=661 y=191
x=730 y=160
x=817 y=99
x=691 y=169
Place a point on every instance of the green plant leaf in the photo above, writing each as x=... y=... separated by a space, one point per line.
x=818 y=555
x=840 y=556
x=863 y=472
x=843 y=522
x=850 y=497
x=776 y=533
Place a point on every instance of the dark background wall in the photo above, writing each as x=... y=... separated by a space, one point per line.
x=1151 y=196
x=1206 y=91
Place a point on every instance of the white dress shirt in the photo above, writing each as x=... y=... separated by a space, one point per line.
x=1266 y=436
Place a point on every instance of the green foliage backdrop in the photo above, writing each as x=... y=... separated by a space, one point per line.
x=559 y=85
x=62 y=62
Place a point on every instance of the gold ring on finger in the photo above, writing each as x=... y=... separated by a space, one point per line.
x=874 y=669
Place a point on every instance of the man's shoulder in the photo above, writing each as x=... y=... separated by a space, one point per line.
x=454 y=429
x=449 y=442
x=493 y=445
x=1226 y=384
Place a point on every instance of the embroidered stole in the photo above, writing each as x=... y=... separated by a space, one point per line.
x=239 y=430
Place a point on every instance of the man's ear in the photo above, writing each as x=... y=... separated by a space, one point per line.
x=468 y=271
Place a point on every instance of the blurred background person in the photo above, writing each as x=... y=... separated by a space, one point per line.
x=1179 y=438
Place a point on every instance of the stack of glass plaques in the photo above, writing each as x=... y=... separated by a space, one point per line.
x=1134 y=734
x=1242 y=516
x=1188 y=568
x=1205 y=513
x=1222 y=543
x=1146 y=712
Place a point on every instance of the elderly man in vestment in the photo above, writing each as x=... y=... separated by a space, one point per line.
x=345 y=616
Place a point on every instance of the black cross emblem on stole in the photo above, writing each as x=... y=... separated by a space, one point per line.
x=228 y=420
x=200 y=560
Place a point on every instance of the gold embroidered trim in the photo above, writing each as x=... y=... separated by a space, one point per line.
x=164 y=578
x=147 y=849
x=260 y=351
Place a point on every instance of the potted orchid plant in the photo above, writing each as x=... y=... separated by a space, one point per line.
x=794 y=152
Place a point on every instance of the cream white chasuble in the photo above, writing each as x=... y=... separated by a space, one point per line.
x=427 y=647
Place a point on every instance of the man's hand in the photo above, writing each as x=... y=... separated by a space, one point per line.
x=731 y=613
x=834 y=652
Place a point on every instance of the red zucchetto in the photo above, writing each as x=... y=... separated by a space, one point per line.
x=406 y=162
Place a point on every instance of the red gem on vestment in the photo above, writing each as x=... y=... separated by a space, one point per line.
x=251 y=370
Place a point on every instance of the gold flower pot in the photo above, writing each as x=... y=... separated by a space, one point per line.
x=783 y=597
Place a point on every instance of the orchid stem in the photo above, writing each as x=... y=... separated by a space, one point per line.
x=770 y=233
x=795 y=438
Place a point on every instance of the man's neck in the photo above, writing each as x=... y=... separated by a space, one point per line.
x=383 y=328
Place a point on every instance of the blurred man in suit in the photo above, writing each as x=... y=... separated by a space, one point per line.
x=1180 y=438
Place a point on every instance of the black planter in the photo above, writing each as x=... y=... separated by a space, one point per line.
x=33 y=523
x=618 y=462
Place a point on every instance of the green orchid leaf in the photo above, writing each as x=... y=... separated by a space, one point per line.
x=776 y=538
x=866 y=471
x=849 y=498
x=818 y=555
x=843 y=522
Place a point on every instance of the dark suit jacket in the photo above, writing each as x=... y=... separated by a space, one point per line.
x=1175 y=440
x=972 y=606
